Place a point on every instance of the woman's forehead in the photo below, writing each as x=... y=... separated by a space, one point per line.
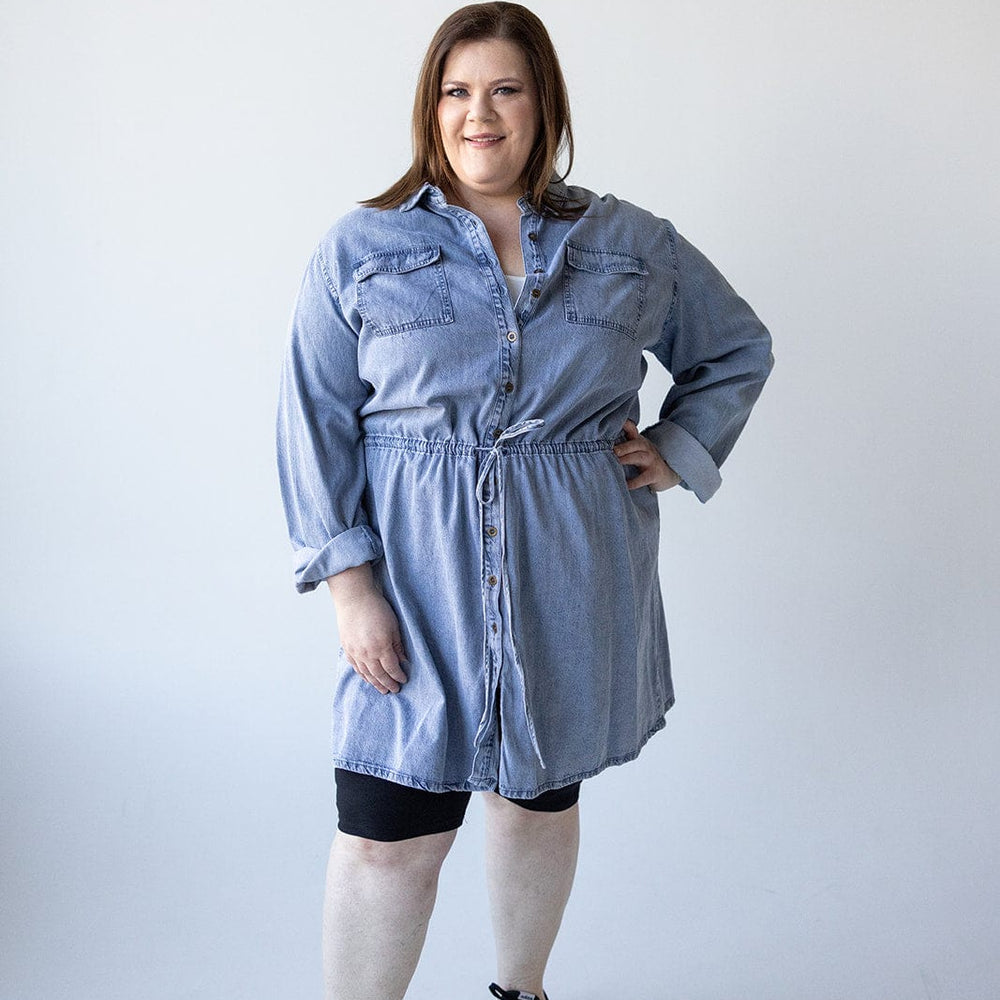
x=485 y=56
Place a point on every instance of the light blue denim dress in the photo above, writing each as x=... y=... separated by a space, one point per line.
x=461 y=443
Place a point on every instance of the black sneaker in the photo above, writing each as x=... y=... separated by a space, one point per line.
x=514 y=994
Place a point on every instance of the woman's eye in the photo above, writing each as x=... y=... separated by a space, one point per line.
x=462 y=92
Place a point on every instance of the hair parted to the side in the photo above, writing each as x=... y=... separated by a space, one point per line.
x=475 y=22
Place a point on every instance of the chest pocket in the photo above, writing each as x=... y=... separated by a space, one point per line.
x=400 y=290
x=604 y=288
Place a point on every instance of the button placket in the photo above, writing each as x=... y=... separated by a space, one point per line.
x=536 y=268
x=484 y=761
x=492 y=539
x=489 y=490
x=505 y=313
x=490 y=494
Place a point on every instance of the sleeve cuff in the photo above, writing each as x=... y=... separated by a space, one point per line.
x=687 y=456
x=350 y=548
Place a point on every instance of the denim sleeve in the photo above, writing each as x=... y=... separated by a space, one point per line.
x=321 y=462
x=719 y=355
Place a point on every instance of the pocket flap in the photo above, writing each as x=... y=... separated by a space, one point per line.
x=396 y=261
x=603 y=261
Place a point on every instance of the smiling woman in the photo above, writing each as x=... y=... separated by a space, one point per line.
x=489 y=118
x=460 y=463
x=524 y=36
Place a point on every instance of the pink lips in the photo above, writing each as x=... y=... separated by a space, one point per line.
x=484 y=140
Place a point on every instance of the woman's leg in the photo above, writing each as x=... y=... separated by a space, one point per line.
x=530 y=864
x=379 y=898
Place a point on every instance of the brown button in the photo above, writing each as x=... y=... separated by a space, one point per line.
x=512 y=336
x=497 y=432
x=535 y=292
x=491 y=580
x=533 y=237
x=508 y=387
x=491 y=531
x=539 y=270
x=494 y=626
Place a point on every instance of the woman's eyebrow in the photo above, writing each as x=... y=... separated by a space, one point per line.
x=493 y=83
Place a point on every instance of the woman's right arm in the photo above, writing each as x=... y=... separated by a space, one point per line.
x=321 y=459
x=321 y=468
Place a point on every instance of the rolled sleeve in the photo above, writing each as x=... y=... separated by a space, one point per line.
x=719 y=355
x=350 y=548
x=320 y=450
x=687 y=456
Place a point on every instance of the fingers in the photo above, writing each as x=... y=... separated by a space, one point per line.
x=637 y=446
x=385 y=673
x=392 y=666
x=370 y=676
x=385 y=681
x=658 y=476
x=634 y=444
x=644 y=478
x=639 y=451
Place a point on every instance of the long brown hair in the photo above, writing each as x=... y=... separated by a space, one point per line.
x=478 y=21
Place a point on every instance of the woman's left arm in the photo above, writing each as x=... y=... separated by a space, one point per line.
x=719 y=354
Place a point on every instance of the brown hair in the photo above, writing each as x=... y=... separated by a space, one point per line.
x=478 y=21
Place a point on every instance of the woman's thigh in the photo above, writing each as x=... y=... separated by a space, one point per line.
x=378 y=809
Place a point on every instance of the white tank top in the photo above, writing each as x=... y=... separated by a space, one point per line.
x=515 y=282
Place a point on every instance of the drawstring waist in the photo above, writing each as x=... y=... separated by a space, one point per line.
x=492 y=463
x=449 y=446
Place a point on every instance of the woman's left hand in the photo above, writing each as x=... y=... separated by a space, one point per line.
x=641 y=452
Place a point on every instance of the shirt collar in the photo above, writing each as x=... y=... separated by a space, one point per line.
x=418 y=195
x=556 y=185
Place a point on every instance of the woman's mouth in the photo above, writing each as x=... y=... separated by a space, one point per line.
x=483 y=141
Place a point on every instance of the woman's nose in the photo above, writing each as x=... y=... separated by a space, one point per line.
x=481 y=109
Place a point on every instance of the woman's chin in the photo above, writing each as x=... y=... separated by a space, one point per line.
x=491 y=186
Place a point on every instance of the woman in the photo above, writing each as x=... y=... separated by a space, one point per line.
x=460 y=462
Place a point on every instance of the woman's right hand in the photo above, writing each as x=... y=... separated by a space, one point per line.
x=369 y=629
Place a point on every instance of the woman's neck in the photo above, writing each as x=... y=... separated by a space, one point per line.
x=501 y=215
x=498 y=207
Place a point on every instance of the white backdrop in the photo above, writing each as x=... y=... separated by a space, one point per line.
x=820 y=818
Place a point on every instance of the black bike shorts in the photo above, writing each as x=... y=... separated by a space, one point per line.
x=379 y=809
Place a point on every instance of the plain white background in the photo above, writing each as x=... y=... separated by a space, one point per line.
x=820 y=819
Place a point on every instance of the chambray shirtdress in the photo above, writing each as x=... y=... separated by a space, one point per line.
x=461 y=443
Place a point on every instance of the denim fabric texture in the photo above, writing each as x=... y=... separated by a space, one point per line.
x=461 y=443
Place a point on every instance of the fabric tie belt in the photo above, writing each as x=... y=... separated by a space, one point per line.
x=490 y=487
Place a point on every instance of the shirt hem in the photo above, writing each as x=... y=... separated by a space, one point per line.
x=404 y=778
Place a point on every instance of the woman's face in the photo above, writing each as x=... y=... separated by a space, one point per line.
x=489 y=116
